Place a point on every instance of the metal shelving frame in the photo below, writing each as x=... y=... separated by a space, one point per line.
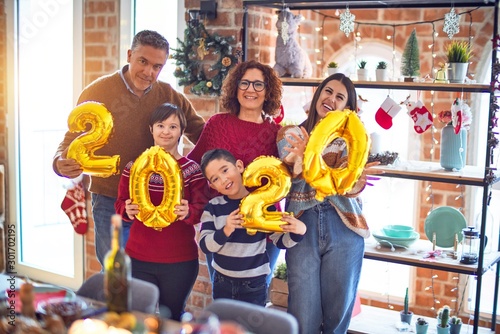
x=485 y=182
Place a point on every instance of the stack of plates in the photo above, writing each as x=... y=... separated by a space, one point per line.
x=386 y=240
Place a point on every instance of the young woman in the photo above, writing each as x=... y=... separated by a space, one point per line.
x=166 y=258
x=324 y=268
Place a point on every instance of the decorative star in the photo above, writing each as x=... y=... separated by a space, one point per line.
x=422 y=121
x=347 y=22
x=451 y=23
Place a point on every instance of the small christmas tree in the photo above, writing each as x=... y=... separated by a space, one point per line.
x=410 y=61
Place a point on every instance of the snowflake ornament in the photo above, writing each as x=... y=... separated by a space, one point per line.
x=347 y=22
x=451 y=23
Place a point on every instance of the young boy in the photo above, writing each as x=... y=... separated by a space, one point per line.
x=240 y=260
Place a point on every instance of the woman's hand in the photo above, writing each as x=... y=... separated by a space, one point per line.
x=182 y=210
x=131 y=209
x=293 y=225
x=233 y=221
x=298 y=142
x=368 y=171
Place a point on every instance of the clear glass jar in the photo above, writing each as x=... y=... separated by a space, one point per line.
x=470 y=245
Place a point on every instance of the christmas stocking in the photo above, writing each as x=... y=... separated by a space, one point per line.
x=74 y=206
x=420 y=115
x=387 y=111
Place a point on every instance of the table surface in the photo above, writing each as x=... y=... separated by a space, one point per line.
x=168 y=326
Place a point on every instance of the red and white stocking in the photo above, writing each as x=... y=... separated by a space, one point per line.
x=420 y=115
x=74 y=206
x=387 y=111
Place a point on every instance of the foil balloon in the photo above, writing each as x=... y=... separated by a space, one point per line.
x=332 y=181
x=82 y=148
x=156 y=160
x=254 y=206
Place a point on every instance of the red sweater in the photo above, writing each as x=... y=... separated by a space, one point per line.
x=175 y=243
x=245 y=140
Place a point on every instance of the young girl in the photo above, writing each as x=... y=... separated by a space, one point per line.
x=324 y=268
x=166 y=258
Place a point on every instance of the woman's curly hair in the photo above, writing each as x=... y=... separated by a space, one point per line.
x=273 y=87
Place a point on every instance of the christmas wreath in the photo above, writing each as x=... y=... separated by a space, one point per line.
x=191 y=65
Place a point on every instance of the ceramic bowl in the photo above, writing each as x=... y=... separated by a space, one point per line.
x=385 y=240
x=398 y=231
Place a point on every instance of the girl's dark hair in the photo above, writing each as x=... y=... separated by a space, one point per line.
x=216 y=154
x=313 y=117
x=230 y=87
x=166 y=110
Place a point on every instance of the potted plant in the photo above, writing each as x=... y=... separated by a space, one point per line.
x=455 y=325
x=362 y=71
x=381 y=72
x=278 y=290
x=332 y=67
x=410 y=60
x=459 y=54
x=421 y=326
x=406 y=314
x=443 y=317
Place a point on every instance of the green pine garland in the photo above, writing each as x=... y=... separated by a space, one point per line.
x=190 y=67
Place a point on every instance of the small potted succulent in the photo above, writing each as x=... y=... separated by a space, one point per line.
x=421 y=326
x=362 y=71
x=455 y=325
x=459 y=54
x=332 y=67
x=381 y=73
x=406 y=314
x=443 y=317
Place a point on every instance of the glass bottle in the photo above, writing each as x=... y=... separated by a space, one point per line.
x=117 y=271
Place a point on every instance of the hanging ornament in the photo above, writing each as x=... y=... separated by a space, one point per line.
x=202 y=52
x=347 y=22
x=451 y=23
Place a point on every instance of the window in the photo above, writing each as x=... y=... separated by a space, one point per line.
x=47 y=74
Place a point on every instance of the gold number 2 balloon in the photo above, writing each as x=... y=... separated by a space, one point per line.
x=82 y=148
x=331 y=181
x=156 y=160
x=254 y=206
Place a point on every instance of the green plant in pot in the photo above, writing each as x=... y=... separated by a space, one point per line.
x=455 y=325
x=362 y=71
x=406 y=314
x=278 y=291
x=421 y=326
x=459 y=55
x=332 y=67
x=381 y=73
x=443 y=317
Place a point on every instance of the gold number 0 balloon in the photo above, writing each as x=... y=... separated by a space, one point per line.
x=82 y=147
x=254 y=205
x=156 y=160
x=331 y=181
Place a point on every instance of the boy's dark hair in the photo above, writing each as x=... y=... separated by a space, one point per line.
x=216 y=154
x=164 y=111
x=150 y=38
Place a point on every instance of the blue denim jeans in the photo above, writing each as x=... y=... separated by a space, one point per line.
x=323 y=272
x=103 y=207
x=251 y=290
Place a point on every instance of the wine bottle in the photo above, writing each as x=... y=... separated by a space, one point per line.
x=117 y=271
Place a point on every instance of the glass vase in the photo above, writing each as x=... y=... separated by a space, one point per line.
x=453 y=148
